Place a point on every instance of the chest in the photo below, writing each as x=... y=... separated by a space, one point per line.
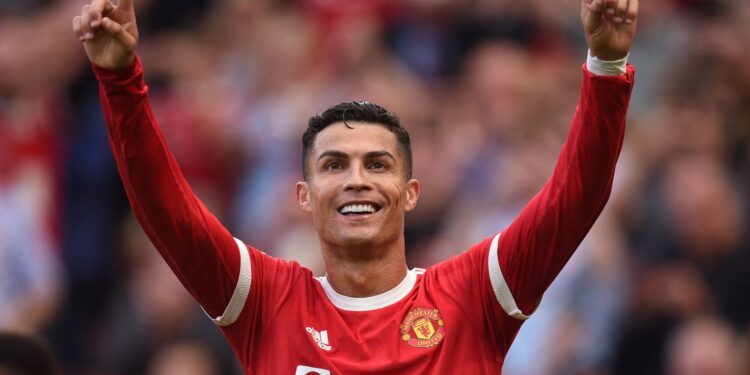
x=423 y=333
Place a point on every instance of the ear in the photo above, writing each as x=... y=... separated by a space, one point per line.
x=303 y=196
x=412 y=194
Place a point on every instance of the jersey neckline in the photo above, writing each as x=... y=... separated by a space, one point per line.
x=370 y=303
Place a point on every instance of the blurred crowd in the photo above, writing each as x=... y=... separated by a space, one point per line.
x=486 y=88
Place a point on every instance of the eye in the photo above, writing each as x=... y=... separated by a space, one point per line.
x=378 y=165
x=333 y=165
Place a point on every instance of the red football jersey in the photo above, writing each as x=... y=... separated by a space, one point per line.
x=459 y=316
x=435 y=320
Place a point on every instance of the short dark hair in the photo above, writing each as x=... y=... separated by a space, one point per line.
x=356 y=112
x=25 y=355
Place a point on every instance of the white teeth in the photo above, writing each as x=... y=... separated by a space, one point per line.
x=357 y=208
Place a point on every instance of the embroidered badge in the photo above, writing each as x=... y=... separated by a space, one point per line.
x=422 y=327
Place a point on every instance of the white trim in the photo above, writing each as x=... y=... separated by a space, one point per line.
x=499 y=286
x=606 y=67
x=304 y=370
x=237 y=302
x=370 y=303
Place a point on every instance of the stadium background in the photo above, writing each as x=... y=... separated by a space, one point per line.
x=486 y=88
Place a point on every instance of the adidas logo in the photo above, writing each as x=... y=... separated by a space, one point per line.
x=321 y=338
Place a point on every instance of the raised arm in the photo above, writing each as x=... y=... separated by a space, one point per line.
x=200 y=251
x=529 y=254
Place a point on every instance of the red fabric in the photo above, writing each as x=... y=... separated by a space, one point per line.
x=28 y=138
x=545 y=234
x=270 y=336
x=194 y=243
x=29 y=143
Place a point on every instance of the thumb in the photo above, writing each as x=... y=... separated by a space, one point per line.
x=592 y=12
x=118 y=33
x=594 y=6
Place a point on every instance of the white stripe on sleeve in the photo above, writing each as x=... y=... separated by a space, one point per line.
x=499 y=286
x=237 y=302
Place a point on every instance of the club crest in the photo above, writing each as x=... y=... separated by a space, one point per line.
x=422 y=327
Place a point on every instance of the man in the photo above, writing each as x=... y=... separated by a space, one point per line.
x=370 y=314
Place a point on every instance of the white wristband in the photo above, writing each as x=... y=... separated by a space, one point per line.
x=605 y=67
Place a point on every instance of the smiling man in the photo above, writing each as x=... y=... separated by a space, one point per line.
x=356 y=160
x=369 y=314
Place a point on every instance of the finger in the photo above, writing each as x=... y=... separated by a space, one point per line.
x=622 y=7
x=77 y=27
x=97 y=9
x=86 y=22
x=609 y=8
x=125 y=4
x=118 y=32
x=632 y=12
x=596 y=6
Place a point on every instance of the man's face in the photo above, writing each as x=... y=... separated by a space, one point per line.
x=357 y=189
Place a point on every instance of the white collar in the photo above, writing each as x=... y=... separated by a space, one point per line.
x=370 y=303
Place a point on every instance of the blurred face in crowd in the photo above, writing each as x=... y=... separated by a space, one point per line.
x=357 y=189
x=704 y=346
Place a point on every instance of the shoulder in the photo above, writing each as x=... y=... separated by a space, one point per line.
x=467 y=260
x=271 y=263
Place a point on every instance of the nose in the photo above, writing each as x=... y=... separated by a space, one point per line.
x=357 y=179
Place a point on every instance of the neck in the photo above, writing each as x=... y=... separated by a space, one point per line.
x=354 y=275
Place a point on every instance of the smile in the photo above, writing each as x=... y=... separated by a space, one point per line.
x=358 y=209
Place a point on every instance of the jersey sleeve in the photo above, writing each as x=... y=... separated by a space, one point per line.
x=464 y=279
x=526 y=257
x=275 y=283
x=205 y=257
x=500 y=281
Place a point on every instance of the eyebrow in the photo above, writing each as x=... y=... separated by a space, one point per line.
x=369 y=155
x=378 y=154
x=332 y=153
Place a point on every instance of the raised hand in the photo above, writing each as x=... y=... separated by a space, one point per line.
x=609 y=26
x=108 y=32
